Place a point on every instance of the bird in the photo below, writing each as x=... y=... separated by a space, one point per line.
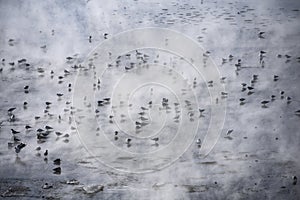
x=46 y=153
x=57 y=161
x=255 y=76
x=288 y=99
x=58 y=133
x=224 y=60
x=143 y=108
x=199 y=142
x=222 y=79
x=14 y=131
x=48 y=127
x=294 y=180
x=57 y=170
x=19 y=147
x=128 y=140
x=144 y=118
x=273 y=97
x=201 y=111
x=47 y=186
x=105 y=35
x=224 y=93
x=261 y=35
x=262 y=52
x=12 y=117
x=11 y=109
x=264 y=102
x=177 y=117
x=28 y=127
x=69 y=58
x=229 y=132
x=40 y=130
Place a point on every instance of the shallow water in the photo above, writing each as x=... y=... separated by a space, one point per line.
x=259 y=159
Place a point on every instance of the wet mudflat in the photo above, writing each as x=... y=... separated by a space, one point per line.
x=44 y=45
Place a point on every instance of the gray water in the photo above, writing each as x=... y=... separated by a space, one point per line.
x=259 y=159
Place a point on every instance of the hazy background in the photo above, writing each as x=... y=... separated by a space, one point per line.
x=258 y=161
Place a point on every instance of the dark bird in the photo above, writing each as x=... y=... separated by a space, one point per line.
x=250 y=88
x=224 y=93
x=16 y=139
x=14 y=131
x=288 y=56
x=28 y=127
x=262 y=52
x=46 y=153
x=11 y=109
x=128 y=140
x=289 y=100
x=57 y=170
x=229 y=132
x=12 y=117
x=19 y=147
x=261 y=35
x=264 y=102
x=48 y=127
x=273 y=97
x=199 y=142
x=57 y=161
x=58 y=133
x=255 y=77
x=105 y=35
x=59 y=94
x=201 y=111
x=143 y=108
x=40 y=130
x=294 y=180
